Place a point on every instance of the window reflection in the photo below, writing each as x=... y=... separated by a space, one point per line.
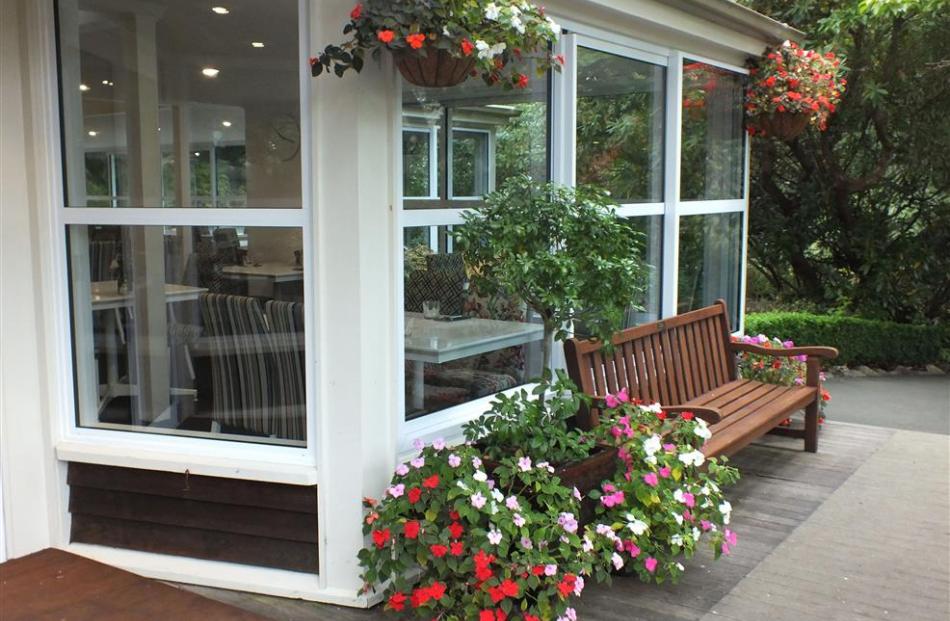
x=651 y=229
x=149 y=129
x=710 y=261
x=190 y=330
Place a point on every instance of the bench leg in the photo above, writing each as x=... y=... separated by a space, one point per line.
x=811 y=427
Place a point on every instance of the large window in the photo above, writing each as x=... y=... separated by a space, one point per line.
x=461 y=344
x=182 y=323
x=710 y=263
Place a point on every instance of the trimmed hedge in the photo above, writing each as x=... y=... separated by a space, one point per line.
x=859 y=341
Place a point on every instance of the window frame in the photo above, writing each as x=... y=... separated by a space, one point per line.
x=138 y=448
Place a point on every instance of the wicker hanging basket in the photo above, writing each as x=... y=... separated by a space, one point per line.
x=782 y=125
x=434 y=67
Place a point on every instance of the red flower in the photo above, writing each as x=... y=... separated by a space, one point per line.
x=687 y=416
x=397 y=602
x=770 y=81
x=419 y=597
x=456 y=530
x=456 y=548
x=522 y=81
x=509 y=587
x=559 y=59
x=313 y=61
x=386 y=36
x=486 y=615
x=528 y=617
x=381 y=537
x=467 y=47
x=538 y=570
x=454 y=515
x=500 y=615
x=411 y=529
x=416 y=40
x=414 y=494
x=357 y=11
x=496 y=594
x=825 y=395
x=483 y=573
x=793 y=83
x=436 y=590
x=776 y=364
x=566 y=586
x=661 y=415
x=438 y=550
x=432 y=482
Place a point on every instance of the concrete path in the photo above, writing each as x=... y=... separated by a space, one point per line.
x=878 y=548
x=916 y=403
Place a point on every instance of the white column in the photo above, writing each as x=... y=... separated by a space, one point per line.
x=353 y=134
x=671 y=187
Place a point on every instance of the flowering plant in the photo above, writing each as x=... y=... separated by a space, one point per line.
x=665 y=503
x=498 y=37
x=480 y=547
x=789 y=79
x=774 y=370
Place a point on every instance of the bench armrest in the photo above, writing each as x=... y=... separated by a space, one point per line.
x=710 y=415
x=811 y=352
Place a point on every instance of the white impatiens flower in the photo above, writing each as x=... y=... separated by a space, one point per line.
x=517 y=24
x=637 y=526
x=480 y=476
x=702 y=429
x=484 y=50
x=704 y=490
x=494 y=537
x=678 y=496
x=656 y=408
x=650 y=459
x=680 y=567
x=652 y=445
x=498 y=48
x=554 y=26
x=676 y=540
x=694 y=458
x=492 y=11
x=726 y=510
x=617 y=560
x=497 y=495
x=696 y=533
x=678 y=518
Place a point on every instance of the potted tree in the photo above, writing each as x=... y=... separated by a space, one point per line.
x=438 y=43
x=791 y=88
x=563 y=251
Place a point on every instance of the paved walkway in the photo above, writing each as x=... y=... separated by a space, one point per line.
x=916 y=403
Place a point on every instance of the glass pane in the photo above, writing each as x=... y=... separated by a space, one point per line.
x=494 y=134
x=417 y=156
x=190 y=330
x=468 y=345
x=620 y=114
x=713 y=157
x=147 y=86
x=651 y=227
x=710 y=261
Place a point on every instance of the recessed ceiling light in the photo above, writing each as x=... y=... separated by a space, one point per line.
x=220 y=10
x=83 y=87
x=226 y=123
x=197 y=154
x=209 y=72
x=257 y=44
x=108 y=83
x=93 y=133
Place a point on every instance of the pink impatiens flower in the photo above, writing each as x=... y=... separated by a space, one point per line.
x=665 y=472
x=612 y=500
x=650 y=564
x=706 y=525
x=651 y=479
x=631 y=548
x=396 y=490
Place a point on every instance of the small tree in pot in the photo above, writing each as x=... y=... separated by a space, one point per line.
x=563 y=251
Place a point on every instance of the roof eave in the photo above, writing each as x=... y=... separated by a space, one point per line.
x=731 y=14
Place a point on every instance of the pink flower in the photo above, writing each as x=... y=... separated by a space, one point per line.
x=622 y=396
x=454 y=460
x=612 y=500
x=731 y=537
x=438 y=444
x=706 y=524
x=396 y=490
x=418 y=462
x=550 y=570
x=512 y=503
x=687 y=516
x=402 y=470
x=631 y=549
x=478 y=501
x=669 y=448
x=650 y=479
x=611 y=401
x=788 y=344
x=689 y=500
x=418 y=444
x=650 y=564
x=665 y=472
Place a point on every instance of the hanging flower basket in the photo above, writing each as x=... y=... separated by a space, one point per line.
x=791 y=88
x=434 y=68
x=441 y=43
x=782 y=125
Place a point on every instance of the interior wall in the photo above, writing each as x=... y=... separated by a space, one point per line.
x=25 y=450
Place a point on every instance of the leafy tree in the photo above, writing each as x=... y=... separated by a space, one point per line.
x=858 y=217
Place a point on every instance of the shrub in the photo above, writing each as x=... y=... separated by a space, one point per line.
x=859 y=340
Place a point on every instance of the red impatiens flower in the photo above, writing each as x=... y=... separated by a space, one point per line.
x=528 y=617
x=454 y=515
x=522 y=81
x=419 y=597
x=432 y=482
x=416 y=40
x=467 y=47
x=313 y=61
x=381 y=537
x=414 y=495
x=456 y=548
x=397 y=602
x=456 y=530
x=566 y=586
x=411 y=529
x=386 y=36
x=438 y=550
x=486 y=615
x=538 y=570
x=436 y=590
x=509 y=587
x=357 y=11
x=687 y=416
x=661 y=415
x=496 y=594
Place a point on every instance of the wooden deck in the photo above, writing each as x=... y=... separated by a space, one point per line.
x=56 y=585
x=801 y=554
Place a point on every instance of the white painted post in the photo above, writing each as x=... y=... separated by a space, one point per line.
x=671 y=188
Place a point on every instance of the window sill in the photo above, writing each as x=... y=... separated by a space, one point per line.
x=215 y=466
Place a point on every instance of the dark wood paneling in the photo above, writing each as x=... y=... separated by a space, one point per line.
x=54 y=585
x=194 y=542
x=247 y=522
x=302 y=498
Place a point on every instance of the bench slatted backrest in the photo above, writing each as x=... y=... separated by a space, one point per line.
x=670 y=361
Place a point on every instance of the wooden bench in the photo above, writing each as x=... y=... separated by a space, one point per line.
x=688 y=362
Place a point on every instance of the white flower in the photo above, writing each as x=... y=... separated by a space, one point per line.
x=512 y=503
x=480 y=476
x=637 y=526
x=462 y=485
x=652 y=444
x=704 y=490
x=678 y=518
x=656 y=408
x=543 y=465
x=493 y=509
x=524 y=464
x=476 y=462
x=650 y=459
x=702 y=429
x=494 y=537
x=519 y=520
x=678 y=495
x=517 y=24
x=617 y=560
x=445 y=31
x=484 y=50
x=695 y=458
x=726 y=510
x=492 y=11
x=438 y=444
x=680 y=567
x=696 y=533
x=577 y=493
x=676 y=540
x=498 y=48
x=555 y=28
x=497 y=495
x=588 y=545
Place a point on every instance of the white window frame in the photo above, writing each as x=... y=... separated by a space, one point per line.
x=450 y=161
x=202 y=455
x=433 y=142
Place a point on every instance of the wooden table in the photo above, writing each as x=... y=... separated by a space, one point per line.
x=275 y=272
x=106 y=295
x=435 y=341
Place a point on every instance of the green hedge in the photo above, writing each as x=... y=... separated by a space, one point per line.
x=859 y=341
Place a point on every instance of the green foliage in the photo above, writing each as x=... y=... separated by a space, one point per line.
x=564 y=251
x=858 y=217
x=537 y=427
x=859 y=341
